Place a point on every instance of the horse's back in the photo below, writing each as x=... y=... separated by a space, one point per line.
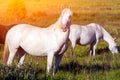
x=96 y=28
x=21 y=29
x=13 y=35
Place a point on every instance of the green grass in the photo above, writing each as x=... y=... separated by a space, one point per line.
x=103 y=66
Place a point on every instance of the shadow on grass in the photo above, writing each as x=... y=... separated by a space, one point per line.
x=105 y=50
x=75 y=68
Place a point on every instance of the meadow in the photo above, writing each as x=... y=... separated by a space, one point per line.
x=103 y=66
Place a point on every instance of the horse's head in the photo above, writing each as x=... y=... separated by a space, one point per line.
x=113 y=47
x=66 y=19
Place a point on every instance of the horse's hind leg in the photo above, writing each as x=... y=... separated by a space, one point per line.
x=59 y=57
x=21 y=56
x=91 y=49
x=11 y=56
x=21 y=59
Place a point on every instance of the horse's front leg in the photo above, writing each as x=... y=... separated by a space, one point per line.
x=59 y=57
x=57 y=61
x=21 y=56
x=49 y=61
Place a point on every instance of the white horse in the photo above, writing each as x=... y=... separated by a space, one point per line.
x=50 y=42
x=90 y=34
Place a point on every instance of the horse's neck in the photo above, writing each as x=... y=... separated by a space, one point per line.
x=57 y=25
x=107 y=37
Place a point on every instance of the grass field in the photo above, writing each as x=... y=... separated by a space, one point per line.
x=103 y=66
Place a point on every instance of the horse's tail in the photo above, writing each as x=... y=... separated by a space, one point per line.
x=5 y=54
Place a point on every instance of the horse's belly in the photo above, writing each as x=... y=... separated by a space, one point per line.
x=34 y=51
x=38 y=54
x=86 y=40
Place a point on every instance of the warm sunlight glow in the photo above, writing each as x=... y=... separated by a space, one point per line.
x=16 y=8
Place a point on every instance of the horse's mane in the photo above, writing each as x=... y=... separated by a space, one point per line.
x=59 y=23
